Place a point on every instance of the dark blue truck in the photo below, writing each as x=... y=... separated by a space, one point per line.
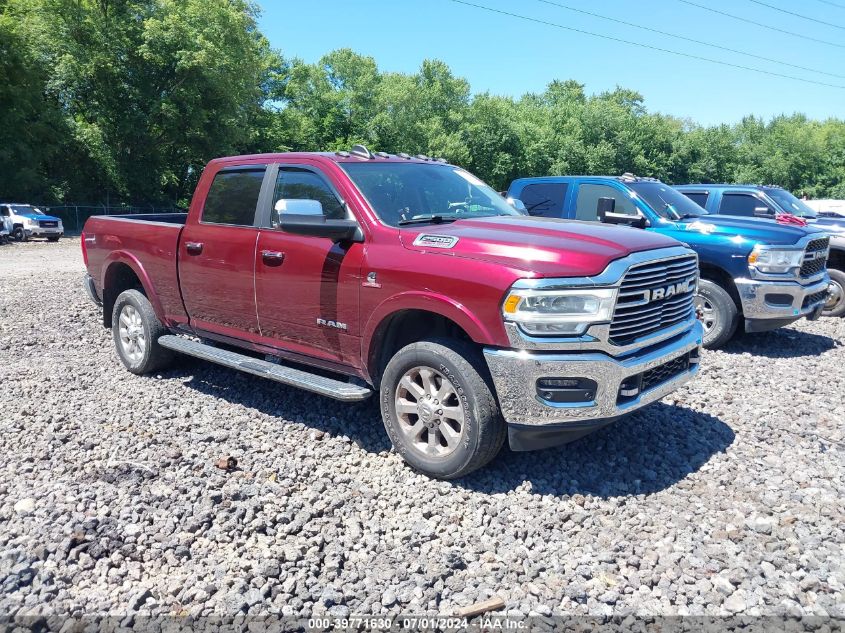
x=754 y=270
x=772 y=202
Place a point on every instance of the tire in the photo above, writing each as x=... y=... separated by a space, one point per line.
x=136 y=330
x=836 y=308
x=465 y=439
x=52 y=239
x=18 y=234
x=719 y=313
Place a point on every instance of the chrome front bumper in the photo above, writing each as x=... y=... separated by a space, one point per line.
x=780 y=300
x=516 y=372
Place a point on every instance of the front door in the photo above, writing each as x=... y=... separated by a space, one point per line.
x=217 y=256
x=306 y=288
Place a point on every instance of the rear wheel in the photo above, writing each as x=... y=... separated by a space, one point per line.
x=439 y=410
x=835 y=306
x=718 y=313
x=136 y=330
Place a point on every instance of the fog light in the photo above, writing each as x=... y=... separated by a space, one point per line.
x=630 y=387
x=567 y=390
x=695 y=356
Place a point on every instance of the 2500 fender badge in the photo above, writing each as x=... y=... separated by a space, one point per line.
x=329 y=323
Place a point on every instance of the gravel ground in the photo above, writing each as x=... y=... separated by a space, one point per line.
x=724 y=498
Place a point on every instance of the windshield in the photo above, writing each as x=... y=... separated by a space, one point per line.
x=25 y=209
x=790 y=204
x=666 y=201
x=402 y=193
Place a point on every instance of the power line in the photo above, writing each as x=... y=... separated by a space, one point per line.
x=763 y=26
x=647 y=46
x=797 y=15
x=688 y=39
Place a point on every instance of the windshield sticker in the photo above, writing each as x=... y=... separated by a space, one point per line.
x=435 y=241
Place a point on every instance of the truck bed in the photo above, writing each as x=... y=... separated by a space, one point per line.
x=146 y=243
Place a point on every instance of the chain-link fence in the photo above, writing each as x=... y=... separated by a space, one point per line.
x=74 y=215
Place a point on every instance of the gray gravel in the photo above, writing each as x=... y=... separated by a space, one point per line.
x=724 y=498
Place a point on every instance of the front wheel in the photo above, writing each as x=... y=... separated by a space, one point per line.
x=438 y=408
x=136 y=330
x=18 y=234
x=718 y=313
x=835 y=306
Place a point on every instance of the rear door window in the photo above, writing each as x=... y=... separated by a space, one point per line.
x=545 y=199
x=233 y=197
x=742 y=204
x=586 y=207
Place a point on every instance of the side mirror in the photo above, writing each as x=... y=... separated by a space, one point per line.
x=763 y=211
x=605 y=206
x=605 y=212
x=305 y=217
x=518 y=204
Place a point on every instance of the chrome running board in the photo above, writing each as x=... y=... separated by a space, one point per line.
x=315 y=383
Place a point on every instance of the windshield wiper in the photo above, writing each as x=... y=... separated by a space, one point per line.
x=427 y=219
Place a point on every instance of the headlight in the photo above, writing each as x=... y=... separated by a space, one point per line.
x=775 y=260
x=558 y=312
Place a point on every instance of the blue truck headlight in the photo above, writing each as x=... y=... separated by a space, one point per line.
x=558 y=312
x=775 y=260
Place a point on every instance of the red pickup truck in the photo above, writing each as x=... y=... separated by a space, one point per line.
x=352 y=272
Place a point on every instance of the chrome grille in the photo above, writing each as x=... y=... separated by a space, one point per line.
x=667 y=371
x=635 y=316
x=814 y=266
x=48 y=224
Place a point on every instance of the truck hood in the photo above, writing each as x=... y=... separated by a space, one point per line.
x=754 y=229
x=829 y=225
x=40 y=217
x=544 y=247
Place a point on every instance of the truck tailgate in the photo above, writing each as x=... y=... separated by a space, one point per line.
x=149 y=245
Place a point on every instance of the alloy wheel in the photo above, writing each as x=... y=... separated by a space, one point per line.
x=133 y=340
x=429 y=412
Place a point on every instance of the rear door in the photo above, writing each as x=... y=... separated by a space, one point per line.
x=306 y=288
x=217 y=255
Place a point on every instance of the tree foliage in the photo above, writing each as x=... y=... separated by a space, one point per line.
x=129 y=99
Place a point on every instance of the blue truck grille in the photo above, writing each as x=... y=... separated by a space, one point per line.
x=649 y=300
x=813 y=264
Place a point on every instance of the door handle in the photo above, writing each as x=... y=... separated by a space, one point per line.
x=193 y=248
x=272 y=258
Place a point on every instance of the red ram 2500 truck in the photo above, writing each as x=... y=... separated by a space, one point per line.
x=351 y=272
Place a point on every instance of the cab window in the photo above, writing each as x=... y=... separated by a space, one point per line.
x=233 y=197
x=699 y=197
x=544 y=199
x=743 y=204
x=586 y=207
x=297 y=183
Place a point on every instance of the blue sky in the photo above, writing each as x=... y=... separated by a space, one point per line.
x=509 y=56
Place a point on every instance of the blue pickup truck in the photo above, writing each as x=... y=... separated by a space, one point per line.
x=771 y=202
x=764 y=273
